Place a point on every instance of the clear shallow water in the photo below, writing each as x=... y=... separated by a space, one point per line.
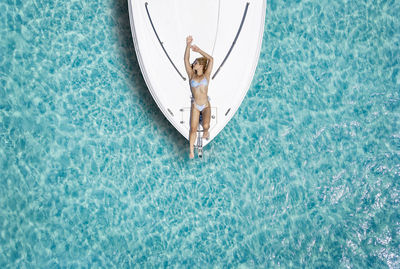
x=306 y=173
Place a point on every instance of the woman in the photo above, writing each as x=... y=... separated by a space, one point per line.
x=199 y=76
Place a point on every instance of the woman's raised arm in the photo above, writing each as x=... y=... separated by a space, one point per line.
x=188 y=67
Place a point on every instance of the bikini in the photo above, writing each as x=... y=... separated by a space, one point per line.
x=196 y=84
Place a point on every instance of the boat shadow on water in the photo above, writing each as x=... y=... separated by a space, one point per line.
x=136 y=80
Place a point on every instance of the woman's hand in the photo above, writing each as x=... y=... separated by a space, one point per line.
x=195 y=48
x=189 y=40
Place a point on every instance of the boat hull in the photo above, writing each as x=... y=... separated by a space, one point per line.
x=231 y=31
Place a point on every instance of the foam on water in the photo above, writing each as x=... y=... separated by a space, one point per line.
x=305 y=174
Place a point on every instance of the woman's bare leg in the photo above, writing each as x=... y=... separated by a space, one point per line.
x=194 y=122
x=206 y=121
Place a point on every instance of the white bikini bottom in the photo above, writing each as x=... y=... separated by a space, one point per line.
x=200 y=107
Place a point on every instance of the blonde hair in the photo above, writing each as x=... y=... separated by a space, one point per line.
x=202 y=61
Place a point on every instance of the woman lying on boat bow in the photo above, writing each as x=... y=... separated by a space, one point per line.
x=199 y=77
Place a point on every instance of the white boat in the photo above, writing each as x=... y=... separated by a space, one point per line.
x=229 y=30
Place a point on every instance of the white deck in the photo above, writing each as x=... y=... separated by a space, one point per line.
x=213 y=25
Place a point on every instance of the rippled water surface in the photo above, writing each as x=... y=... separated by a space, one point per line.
x=306 y=174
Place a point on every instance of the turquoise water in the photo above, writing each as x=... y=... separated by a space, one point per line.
x=306 y=174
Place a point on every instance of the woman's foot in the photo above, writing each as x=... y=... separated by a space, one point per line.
x=191 y=149
x=206 y=135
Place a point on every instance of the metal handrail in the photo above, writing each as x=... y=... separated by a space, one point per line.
x=161 y=43
x=234 y=41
